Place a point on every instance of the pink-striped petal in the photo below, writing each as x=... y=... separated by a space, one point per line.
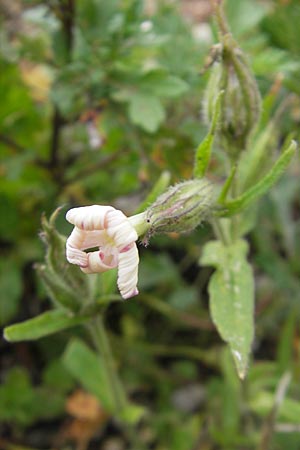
x=128 y=272
x=89 y=218
x=97 y=263
x=111 y=231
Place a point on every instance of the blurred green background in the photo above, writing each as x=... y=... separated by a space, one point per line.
x=98 y=98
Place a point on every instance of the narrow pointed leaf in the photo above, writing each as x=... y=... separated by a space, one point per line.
x=203 y=151
x=254 y=160
x=227 y=185
x=88 y=369
x=263 y=185
x=47 y=323
x=231 y=292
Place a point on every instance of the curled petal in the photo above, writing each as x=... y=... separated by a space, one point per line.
x=111 y=231
x=73 y=248
x=120 y=229
x=128 y=271
x=83 y=240
x=76 y=256
x=89 y=218
x=97 y=263
x=80 y=240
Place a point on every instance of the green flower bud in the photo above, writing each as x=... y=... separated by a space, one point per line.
x=181 y=208
x=64 y=285
x=241 y=103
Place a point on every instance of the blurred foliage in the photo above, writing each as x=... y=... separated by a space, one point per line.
x=98 y=98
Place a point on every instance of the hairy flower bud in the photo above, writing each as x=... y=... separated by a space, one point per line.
x=181 y=208
x=241 y=101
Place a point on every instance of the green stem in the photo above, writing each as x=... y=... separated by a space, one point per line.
x=102 y=345
x=220 y=16
x=235 y=219
x=219 y=231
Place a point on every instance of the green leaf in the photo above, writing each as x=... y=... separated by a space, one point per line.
x=16 y=398
x=88 y=369
x=10 y=291
x=203 y=151
x=227 y=185
x=57 y=377
x=263 y=402
x=146 y=111
x=8 y=211
x=161 y=85
x=285 y=345
x=244 y=16
x=133 y=413
x=255 y=160
x=231 y=291
x=47 y=323
x=23 y=404
x=263 y=185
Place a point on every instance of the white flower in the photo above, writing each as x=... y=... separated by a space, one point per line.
x=111 y=231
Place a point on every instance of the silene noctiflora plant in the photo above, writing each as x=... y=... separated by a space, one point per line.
x=104 y=239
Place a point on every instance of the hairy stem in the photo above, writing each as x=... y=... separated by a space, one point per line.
x=219 y=231
x=102 y=345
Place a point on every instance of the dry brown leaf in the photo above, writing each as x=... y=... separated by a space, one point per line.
x=84 y=406
x=88 y=419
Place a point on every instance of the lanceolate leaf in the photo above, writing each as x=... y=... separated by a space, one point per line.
x=231 y=291
x=88 y=368
x=47 y=323
x=203 y=151
x=227 y=185
x=263 y=185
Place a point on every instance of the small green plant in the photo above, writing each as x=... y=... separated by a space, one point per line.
x=131 y=83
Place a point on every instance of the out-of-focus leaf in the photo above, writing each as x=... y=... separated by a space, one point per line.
x=272 y=60
x=283 y=196
x=162 y=85
x=157 y=270
x=184 y=298
x=133 y=413
x=21 y=403
x=9 y=222
x=244 y=15
x=10 y=290
x=87 y=368
x=146 y=111
x=263 y=402
x=47 y=323
x=56 y=376
x=282 y=26
x=231 y=291
x=184 y=437
x=285 y=347
x=16 y=397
